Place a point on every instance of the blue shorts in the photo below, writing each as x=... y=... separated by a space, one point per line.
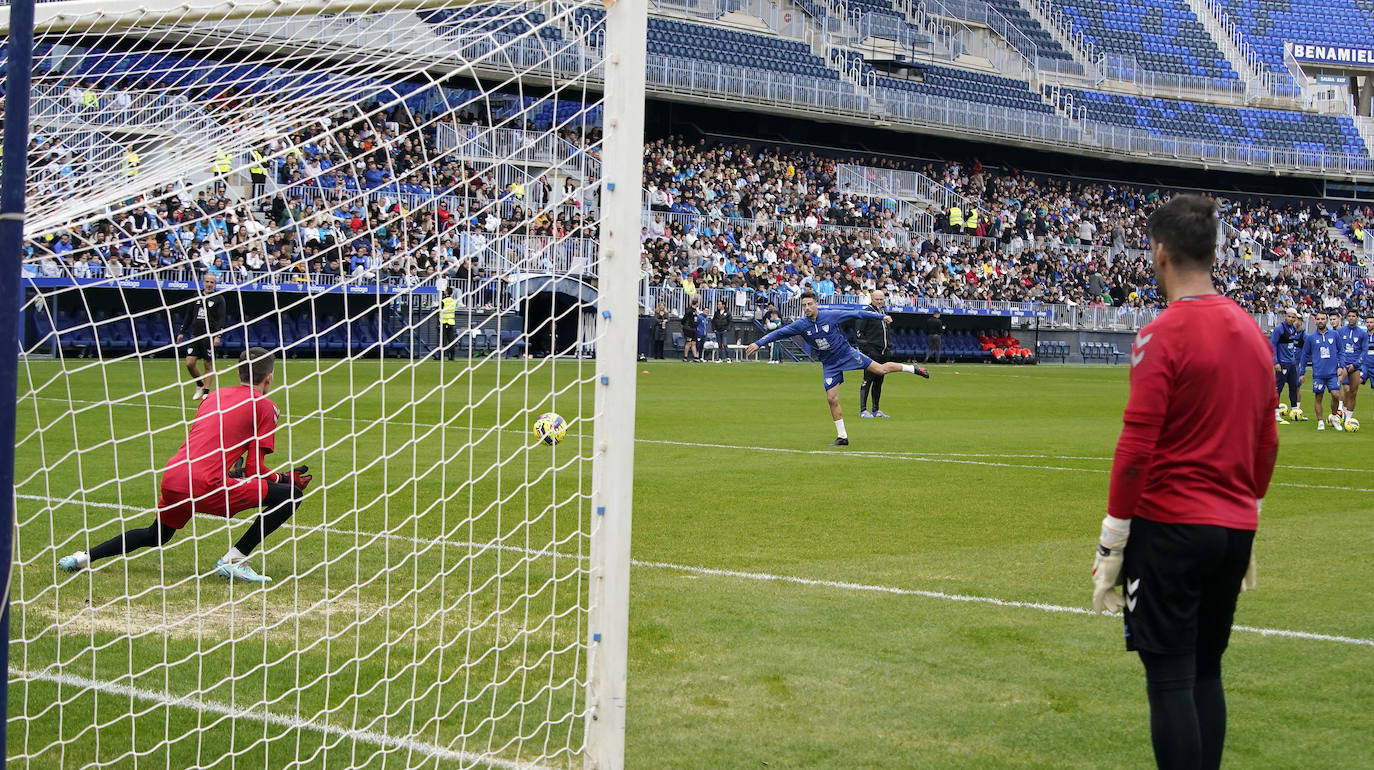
x=833 y=372
x=1322 y=384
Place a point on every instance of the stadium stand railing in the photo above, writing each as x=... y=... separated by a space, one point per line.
x=903 y=183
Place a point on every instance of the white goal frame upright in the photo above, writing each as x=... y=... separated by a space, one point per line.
x=617 y=313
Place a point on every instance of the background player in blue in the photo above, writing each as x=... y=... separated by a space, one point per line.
x=1369 y=356
x=1321 y=350
x=1354 y=347
x=1287 y=342
x=822 y=331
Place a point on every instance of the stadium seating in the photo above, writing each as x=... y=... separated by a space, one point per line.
x=1100 y=351
x=1237 y=125
x=495 y=19
x=668 y=37
x=1162 y=35
x=1047 y=349
x=949 y=83
x=1268 y=24
x=1046 y=46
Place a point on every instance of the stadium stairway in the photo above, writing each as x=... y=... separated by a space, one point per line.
x=1229 y=47
x=1055 y=22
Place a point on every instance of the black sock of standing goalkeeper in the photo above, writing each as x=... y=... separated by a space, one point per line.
x=1187 y=711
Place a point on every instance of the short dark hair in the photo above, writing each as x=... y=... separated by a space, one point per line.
x=808 y=294
x=1186 y=227
x=255 y=364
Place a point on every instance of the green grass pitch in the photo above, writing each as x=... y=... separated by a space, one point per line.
x=915 y=600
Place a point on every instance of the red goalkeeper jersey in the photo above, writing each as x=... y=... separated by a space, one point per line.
x=1199 y=440
x=232 y=422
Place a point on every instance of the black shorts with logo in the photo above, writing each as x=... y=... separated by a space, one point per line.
x=1181 y=585
x=198 y=347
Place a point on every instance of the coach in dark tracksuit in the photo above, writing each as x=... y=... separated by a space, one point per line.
x=935 y=332
x=873 y=341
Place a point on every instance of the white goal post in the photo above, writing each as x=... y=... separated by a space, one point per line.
x=428 y=212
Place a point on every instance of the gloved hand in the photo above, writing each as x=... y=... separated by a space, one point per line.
x=1247 y=583
x=1107 y=566
x=299 y=477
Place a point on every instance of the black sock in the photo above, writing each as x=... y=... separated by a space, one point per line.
x=155 y=534
x=200 y=383
x=1174 y=727
x=278 y=506
x=877 y=392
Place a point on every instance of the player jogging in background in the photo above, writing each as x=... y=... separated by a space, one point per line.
x=200 y=331
x=822 y=331
x=874 y=342
x=1321 y=351
x=1184 y=502
x=232 y=423
x=1354 y=347
x=1287 y=340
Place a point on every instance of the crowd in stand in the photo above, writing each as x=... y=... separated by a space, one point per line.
x=776 y=222
x=380 y=199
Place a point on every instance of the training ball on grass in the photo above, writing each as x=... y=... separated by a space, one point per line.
x=1284 y=413
x=1351 y=424
x=550 y=428
x=1295 y=414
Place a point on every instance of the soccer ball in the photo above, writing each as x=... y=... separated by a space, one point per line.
x=1284 y=414
x=550 y=428
x=1351 y=424
x=1295 y=414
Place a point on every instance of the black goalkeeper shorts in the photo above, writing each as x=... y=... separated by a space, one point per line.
x=1181 y=585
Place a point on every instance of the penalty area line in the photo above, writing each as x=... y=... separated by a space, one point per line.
x=754 y=576
x=196 y=703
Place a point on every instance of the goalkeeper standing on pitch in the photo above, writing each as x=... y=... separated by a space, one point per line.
x=1193 y=462
x=233 y=424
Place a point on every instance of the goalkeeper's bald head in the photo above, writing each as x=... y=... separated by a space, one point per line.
x=256 y=366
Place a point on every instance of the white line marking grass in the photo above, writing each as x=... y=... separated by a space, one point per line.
x=196 y=703
x=756 y=576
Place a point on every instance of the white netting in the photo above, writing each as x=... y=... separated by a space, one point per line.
x=338 y=169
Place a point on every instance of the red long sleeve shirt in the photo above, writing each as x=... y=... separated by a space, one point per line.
x=231 y=422
x=1199 y=441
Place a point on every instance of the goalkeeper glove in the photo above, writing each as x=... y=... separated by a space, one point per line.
x=1247 y=583
x=1107 y=566
x=297 y=476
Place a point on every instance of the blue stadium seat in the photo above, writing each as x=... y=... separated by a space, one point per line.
x=1268 y=24
x=1162 y=35
x=1279 y=129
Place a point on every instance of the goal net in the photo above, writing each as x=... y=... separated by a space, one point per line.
x=411 y=205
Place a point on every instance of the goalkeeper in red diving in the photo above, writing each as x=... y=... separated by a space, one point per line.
x=232 y=424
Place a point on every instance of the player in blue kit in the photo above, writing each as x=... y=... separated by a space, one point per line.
x=1369 y=356
x=1287 y=342
x=1321 y=351
x=1354 y=347
x=821 y=330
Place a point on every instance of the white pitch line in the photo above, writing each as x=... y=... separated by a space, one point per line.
x=767 y=577
x=887 y=454
x=196 y=703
